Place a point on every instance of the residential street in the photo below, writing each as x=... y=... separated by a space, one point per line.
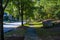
x=11 y=26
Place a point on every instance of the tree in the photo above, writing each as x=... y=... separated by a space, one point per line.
x=6 y=1
x=1 y=15
x=37 y=9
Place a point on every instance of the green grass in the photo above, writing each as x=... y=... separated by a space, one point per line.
x=40 y=31
x=17 y=32
x=44 y=32
x=22 y=31
x=34 y=24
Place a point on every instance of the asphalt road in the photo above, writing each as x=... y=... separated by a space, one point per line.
x=10 y=26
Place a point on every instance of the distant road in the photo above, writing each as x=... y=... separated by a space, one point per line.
x=10 y=26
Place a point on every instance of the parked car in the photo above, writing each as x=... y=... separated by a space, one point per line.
x=47 y=23
x=57 y=23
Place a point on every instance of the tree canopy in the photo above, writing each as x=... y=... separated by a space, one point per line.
x=34 y=9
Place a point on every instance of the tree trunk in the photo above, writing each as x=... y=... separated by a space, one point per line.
x=1 y=17
x=22 y=5
x=1 y=20
x=7 y=1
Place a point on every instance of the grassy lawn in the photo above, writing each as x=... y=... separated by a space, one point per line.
x=41 y=32
x=22 y=31
x=34 y=24
x=46 y=32
x=19 y=32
